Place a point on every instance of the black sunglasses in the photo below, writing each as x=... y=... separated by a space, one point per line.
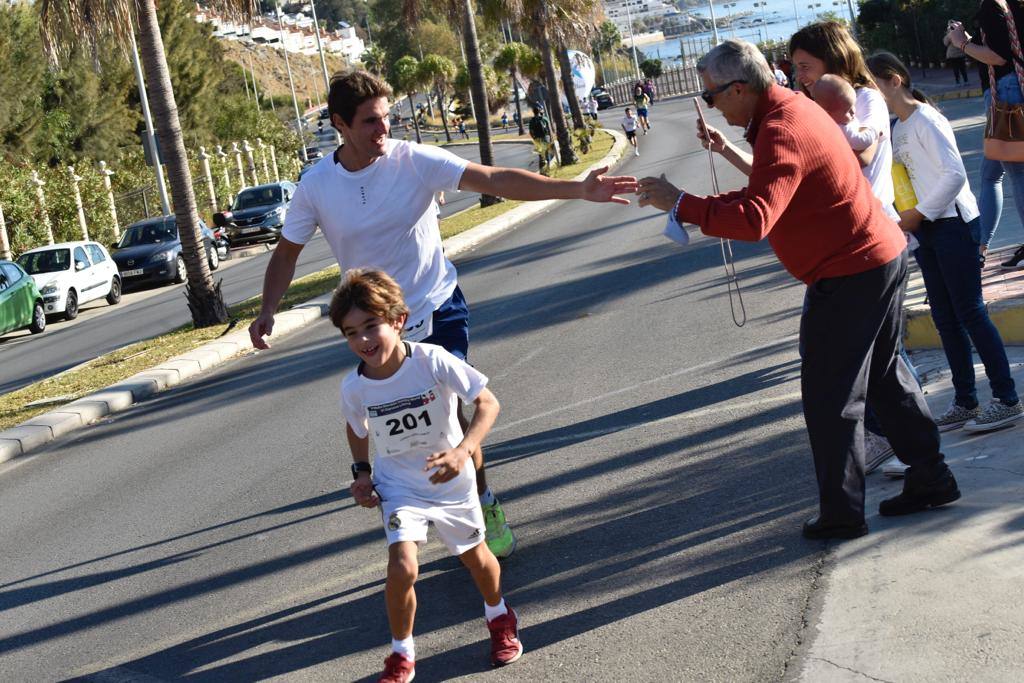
x=709 y=95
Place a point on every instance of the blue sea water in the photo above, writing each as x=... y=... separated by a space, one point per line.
x=779 y=20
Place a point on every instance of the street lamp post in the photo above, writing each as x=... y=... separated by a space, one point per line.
x=291 y=84
x=714 y=22
x=165 y=205
x=323 y=60
x=732 y=24
x=796 y=14
x=369 y=36
x=632 y=41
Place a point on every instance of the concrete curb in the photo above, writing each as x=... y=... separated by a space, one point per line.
x=920 y=333
x=46 y=427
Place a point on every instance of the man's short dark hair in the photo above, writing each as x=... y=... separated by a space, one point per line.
x=349 y=89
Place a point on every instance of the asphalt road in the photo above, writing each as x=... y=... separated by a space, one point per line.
x=100 y=329
x=650 y=454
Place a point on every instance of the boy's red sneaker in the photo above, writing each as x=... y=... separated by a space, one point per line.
x=505 y=645
x=398 y=669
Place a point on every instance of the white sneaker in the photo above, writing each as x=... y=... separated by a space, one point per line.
x=894 y=468
x=876 y=451
x=636 y=151
x=996 y=415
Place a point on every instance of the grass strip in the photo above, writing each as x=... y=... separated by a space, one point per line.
x=99 y=373
x=113 y=367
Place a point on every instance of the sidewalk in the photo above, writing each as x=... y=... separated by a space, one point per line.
x=1003 y=291
x=939 y=84
x=934 y=596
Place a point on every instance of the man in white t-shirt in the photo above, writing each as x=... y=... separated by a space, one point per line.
x=373 y=200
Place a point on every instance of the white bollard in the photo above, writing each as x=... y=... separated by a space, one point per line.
x=238 y=159
x=41 y=201
x=205 y=158
x=110 y=197
x=5 y=243
x=75 y=178
x=252 y=161
x=273 y=160
x=263 y=157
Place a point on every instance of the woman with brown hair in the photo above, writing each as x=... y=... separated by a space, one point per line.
x=826 y=47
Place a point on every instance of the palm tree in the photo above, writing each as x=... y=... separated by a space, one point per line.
x=66 y=23
x=374 y=59
x=510 y=58
x=408 y=78
x=463 y=12
x=440 y=71
x=607 y=39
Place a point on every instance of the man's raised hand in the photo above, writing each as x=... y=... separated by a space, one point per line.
x=598 y=187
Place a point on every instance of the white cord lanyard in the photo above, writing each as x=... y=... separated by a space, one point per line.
x=732 y=281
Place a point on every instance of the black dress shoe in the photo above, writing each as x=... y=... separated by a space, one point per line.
x=815 y=528
x=922 y=490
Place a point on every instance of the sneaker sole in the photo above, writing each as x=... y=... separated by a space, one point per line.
x=954 y=425
x=519 y=654
x=873 y=465
x=992 y=426
x=894 y=474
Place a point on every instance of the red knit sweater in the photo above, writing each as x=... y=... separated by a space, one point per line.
x=806 y=193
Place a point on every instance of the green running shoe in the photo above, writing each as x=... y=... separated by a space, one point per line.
x=499 y=536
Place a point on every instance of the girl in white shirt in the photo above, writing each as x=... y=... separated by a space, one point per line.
x=945 y=222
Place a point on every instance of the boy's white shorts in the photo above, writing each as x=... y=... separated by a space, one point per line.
x=460 y=525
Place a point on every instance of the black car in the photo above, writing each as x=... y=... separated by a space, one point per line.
x=150 y=251
x=603 y=97
x=257 y=214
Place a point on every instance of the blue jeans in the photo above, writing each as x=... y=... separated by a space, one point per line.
x=949 y=264
x=990 y=193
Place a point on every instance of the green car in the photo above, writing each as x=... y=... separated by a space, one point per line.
x=20 y=302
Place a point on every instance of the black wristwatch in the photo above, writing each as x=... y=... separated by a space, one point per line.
x=358 y=467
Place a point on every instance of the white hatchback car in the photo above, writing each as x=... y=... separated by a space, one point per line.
x=72 y=273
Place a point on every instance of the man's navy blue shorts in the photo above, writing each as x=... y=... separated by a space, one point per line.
x=451 y=325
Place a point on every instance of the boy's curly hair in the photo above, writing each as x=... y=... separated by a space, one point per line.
x=373 y=291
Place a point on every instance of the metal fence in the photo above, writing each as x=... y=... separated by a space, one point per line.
x=681 y=80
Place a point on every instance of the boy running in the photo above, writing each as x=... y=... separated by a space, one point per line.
x=629 y=123
x=407 y=395
x=373 y=200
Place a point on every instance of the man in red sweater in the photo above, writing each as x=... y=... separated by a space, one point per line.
x=808 y=196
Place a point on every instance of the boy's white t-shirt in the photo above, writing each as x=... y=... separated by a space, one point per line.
x=383 y=217
x=629 y=123
x=871 y=113
x=925 y=144
x=410 y=415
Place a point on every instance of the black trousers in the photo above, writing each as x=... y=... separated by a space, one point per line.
x=959 y=67
x=850 y=334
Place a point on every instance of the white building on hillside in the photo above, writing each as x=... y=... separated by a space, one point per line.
x=616 y=12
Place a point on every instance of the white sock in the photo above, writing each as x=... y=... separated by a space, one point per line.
x=405 y=647
x=487 y=498
x=492 y=613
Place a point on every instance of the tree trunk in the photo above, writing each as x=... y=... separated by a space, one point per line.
x=204 y=299
x=415 y=121
x=443 y=111
x=568 y=155
x=478 y=92
x=519 y=108
x=569 y=87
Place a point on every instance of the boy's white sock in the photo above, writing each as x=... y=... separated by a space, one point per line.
x=492 y=613
x=487 y=498
x=404 y=647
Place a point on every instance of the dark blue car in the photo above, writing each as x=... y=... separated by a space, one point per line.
x=150 y=252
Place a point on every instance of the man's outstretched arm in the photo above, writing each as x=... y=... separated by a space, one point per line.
x=280 y=272
x=514 y=183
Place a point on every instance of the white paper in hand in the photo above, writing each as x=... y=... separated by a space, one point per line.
x=676 y=232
